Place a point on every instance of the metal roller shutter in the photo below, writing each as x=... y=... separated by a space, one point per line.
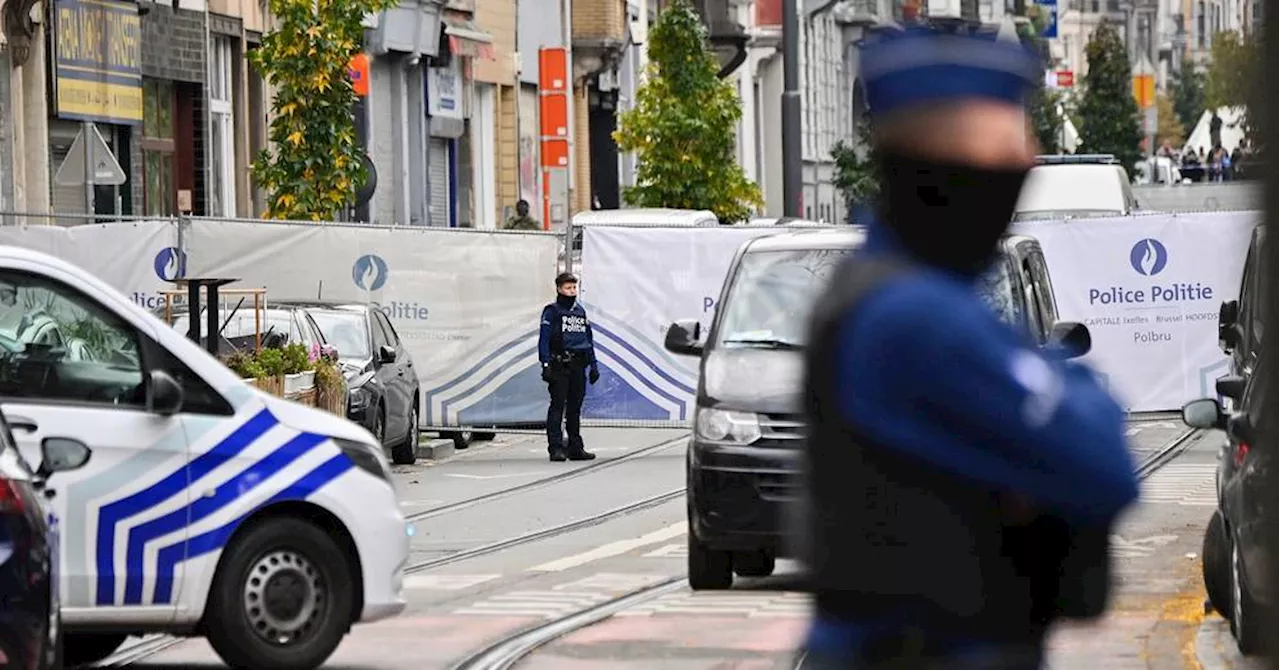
x=438 y=180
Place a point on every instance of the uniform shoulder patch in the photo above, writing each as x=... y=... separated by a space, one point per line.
x=1043 y=384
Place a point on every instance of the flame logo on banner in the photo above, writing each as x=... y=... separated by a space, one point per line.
x=169 y=263
x=1148 y=257
x=369 y=272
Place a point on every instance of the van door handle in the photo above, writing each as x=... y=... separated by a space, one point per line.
x=23 y=424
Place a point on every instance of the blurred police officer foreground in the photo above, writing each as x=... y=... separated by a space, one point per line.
x=961 y=482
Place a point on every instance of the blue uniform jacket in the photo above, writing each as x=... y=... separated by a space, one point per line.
x=564 y=330
x=927 y=368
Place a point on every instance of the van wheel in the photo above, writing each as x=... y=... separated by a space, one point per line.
x=1246 y=615
x=282 y=598
x=483 y=437
x=709 y=570
x=86 y=648
x=1216 y=567
x=461 y=438
x=406 y=452
x=753 y=564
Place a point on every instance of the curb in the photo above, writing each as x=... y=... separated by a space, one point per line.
x=435 y=449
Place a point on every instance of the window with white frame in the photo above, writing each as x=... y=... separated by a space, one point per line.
x=222 y=159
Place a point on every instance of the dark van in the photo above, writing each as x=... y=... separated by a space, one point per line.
x=742 y=459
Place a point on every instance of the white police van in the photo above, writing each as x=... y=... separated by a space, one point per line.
x=207 y=508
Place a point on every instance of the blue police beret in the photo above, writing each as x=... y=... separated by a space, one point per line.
x=903 y=68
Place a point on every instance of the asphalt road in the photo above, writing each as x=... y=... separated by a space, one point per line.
x=462 y=606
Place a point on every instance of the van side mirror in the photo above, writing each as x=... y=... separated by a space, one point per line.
x=1071 y=336
x=1228 y=331
x=684 y=338
x=386 y=355
x=164 y=394
x=1203 y=413
x=1230 y=387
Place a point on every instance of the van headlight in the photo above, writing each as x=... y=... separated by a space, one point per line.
x=366 y=457
x=717 y=425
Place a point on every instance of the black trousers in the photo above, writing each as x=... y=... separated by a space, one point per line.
x=568 y=387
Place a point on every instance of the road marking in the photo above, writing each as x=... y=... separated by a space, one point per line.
x=612 y=549
x=679 y=550
x=505 y=476
x=446 y=582
x=562 y=599
x=750 y=604
x=1186 y=484
x=1139 y=548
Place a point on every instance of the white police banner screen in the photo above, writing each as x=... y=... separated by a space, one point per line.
x=138 y=258
x=635 y=283
x=1149 y=288
x=465 y=303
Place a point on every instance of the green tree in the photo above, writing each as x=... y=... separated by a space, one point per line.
x=1108 y=112
x=683 y=125
x=314 y=166
x=1188 y=96
x=856 y=175
x=1169 y=128
x=1235 y=73
x=1043 y=109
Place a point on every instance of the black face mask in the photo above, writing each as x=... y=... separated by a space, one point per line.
x=948 y=215
x=565 y=301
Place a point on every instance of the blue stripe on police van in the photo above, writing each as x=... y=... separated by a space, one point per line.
x=202 y=507
x=169 y=557
x=113 y=513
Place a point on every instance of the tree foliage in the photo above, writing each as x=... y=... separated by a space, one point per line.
x=856 y=175
x=1042 y=108
x=683 y=126
x=1108 y=112
x=1188 y=96
x=314 y=165
x=1169 y=128
x=1235 y=76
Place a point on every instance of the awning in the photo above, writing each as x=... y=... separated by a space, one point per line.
x=467 y=39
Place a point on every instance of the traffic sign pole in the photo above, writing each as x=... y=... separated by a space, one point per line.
x=88 y=131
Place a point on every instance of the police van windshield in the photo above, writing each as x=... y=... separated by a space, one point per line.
x=771 y=295
x=346 y=331
x=996 y=288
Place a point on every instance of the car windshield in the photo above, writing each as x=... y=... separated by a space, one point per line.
x=771 y=295
x=242 y=324
x=996 y=288
x=346 y=331
x=1056 y=214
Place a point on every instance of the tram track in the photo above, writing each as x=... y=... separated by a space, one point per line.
x=509 y=651
x=152 y=644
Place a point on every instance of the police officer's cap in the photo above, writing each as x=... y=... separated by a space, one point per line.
x=565 y=278
x=903 y=68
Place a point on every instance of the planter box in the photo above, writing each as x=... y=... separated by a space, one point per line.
x=272 y=385
x=299 y=382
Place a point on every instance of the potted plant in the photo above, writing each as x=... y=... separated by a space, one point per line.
x=299 y=370
x=331 y=386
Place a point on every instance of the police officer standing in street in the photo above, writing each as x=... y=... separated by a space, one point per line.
x=961 y=483
x=567 y=353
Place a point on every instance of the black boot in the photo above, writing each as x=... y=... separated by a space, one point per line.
x=581 y=454
x=557 y=454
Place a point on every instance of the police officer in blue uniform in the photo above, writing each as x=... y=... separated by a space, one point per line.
x=567 y=353
x=961 y=483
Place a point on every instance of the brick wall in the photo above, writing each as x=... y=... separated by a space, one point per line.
x=174 y=48
x=507 y=145
x=599 y=19
x=581 y=197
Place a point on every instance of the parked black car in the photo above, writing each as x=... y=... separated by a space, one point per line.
x=1239 y=542
x=743 y=457
x=383 y=393
x=1240 y=321
x=30 y=630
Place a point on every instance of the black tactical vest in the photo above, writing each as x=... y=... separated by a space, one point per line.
x=884 y=533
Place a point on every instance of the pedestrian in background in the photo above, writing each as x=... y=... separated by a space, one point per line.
x=961 y=483
x=566 y=350
x=522 y=220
